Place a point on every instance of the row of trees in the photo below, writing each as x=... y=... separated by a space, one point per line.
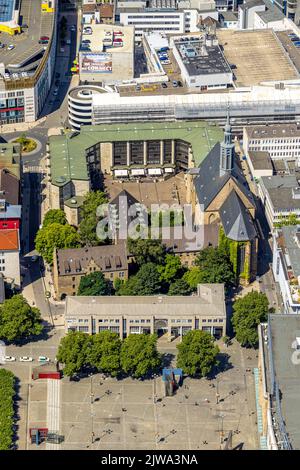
x=57 y=233
x=136 y=355
x=7 y=392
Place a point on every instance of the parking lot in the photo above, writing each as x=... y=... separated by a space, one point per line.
x=99 y=413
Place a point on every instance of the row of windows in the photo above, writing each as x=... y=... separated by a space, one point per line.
x=274 y=141
x=153 y=16
x=140 y=321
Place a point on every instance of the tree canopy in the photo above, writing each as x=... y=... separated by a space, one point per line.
x=19 y=320
x=55 y=236
x=146 y=250
x=54 y=216
x=145 y=282
x=73 y=351
x=179 y=287
x=248 y=312
x=94 y=284
x=89 y=217
x=214 y=266
x=197 y=353
x=171 y=269
x=105 y=351
x=139 y=355
x=193 y=277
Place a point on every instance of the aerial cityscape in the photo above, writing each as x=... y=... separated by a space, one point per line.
x=149 y=227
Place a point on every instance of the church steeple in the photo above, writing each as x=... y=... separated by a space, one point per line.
x=227 y=148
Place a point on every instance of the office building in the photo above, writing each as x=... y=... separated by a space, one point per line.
x=174 y=315
x=280 y=196
x=26 y=70
x=286 y=266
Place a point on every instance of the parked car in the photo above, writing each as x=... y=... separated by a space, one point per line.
x=9 y=358
x=26 y=359
x=24 y=26
x=43 y=359
x=68 y=42
x=138 y=87
x=55 y=92
x=175 y=83
x=164 y=85
x=44 y=38
x=43 y=42
x=73 y=28
x=10 y=47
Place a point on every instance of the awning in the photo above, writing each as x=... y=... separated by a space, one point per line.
x=121 y=172
x=138 y=171
x=169 y=170
x=154 y=171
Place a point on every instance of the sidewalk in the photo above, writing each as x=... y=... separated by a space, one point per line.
x=21 y=126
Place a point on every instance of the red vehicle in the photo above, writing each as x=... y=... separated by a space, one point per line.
x=118 y=40
x=118 y=33
x=39 y=373
x=44 y=38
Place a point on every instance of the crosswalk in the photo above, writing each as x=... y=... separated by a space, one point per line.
x=53 y=410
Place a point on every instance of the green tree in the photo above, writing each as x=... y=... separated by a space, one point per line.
x=145 y=282
x=89 y=217
x=105 y=352
x=193 y=277
x=139 y=355
x=55 y=236
x=73 y=351
x=19 y=320
x=128 y=287
x=94 y=284
x=171 y=269
x=215 y=266
x=248 y=312
x=146 y=250
x=56 y=216
x=197 y=353
x=179 y=287
x=292 y=219
x=7 y=393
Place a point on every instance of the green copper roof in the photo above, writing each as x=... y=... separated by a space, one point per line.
x=67 y=152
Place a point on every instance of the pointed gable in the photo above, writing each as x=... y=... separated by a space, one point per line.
x=236 y=220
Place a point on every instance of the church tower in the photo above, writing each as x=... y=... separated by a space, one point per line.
x=227 y=149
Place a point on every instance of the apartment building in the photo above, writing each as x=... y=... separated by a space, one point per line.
x=10 y=257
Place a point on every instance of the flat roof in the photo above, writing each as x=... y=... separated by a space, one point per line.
x=273 y=131
x=67 y=152
x=280 y=189
x=261 y=160
x=291 y=235
x=210 y=301
x=200 y=59
x=257 y=55
x=27 y=43
x=284 y=330
x=99 y=33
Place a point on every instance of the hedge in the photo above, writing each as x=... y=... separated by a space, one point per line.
x=7 y=392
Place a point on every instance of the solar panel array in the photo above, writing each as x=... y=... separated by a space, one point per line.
x=6 y=10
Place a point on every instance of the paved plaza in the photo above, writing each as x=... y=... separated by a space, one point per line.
x=105 y=413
